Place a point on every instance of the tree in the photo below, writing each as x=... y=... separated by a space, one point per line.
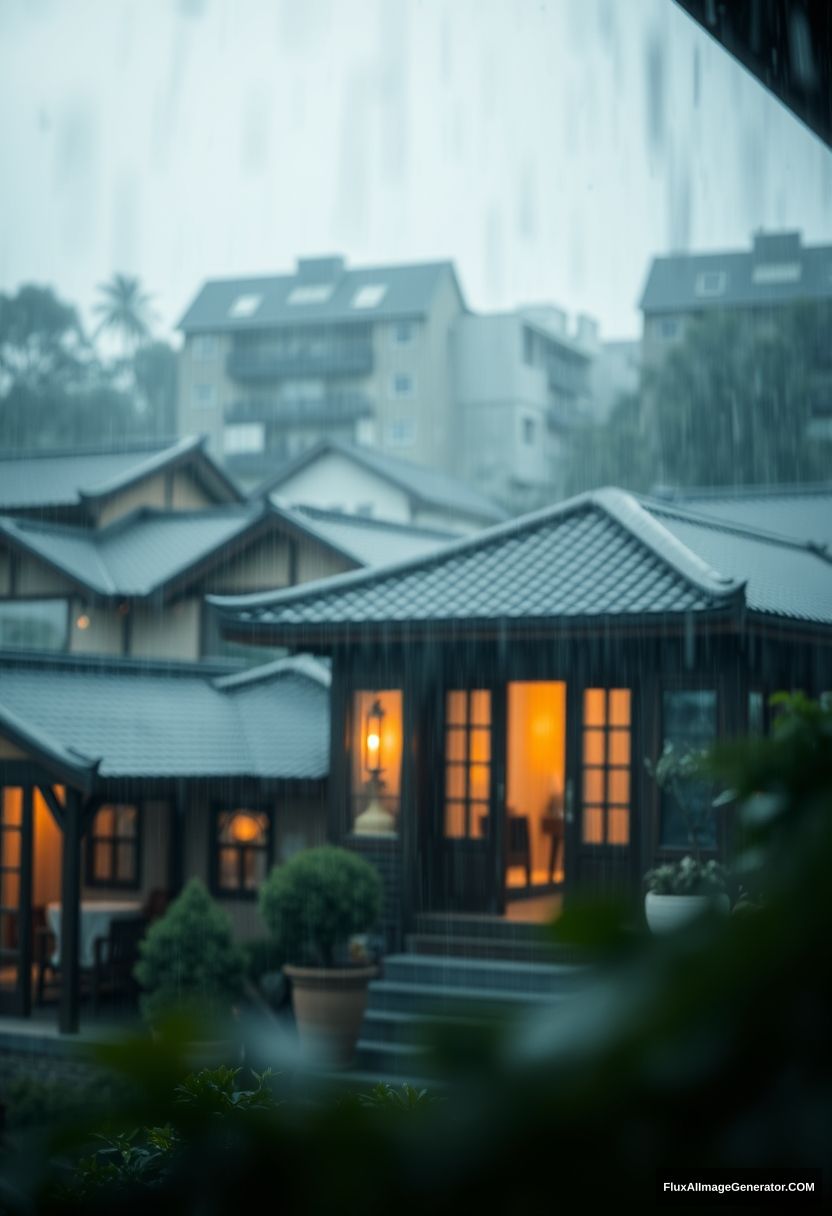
x=42 y=344
x=125 y=310
x=614 y=452
x=155 y=375
x=731 y=404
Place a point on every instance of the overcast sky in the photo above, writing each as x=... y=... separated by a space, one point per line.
x=550 y=147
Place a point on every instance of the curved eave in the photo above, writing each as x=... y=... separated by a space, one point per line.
x=75 y=769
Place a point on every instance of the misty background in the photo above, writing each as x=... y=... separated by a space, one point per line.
x=550 y=149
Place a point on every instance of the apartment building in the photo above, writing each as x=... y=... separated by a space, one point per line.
x=272 y=365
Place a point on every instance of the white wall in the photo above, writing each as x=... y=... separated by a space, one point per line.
x=337 y=482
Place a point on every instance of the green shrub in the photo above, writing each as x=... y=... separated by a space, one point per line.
x=317 y=901
x=189 y=960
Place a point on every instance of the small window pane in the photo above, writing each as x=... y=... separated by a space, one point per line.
x=455 y=708
x=593 y=785
x=481 y=707
x=481 y=746
x=125 y=855
x=618 y=786
x=455 y=781
x=593 y=825
x=10 y=848
x=105 y=822
x=125 y=820
x=593 y=747
x=479 y=781
x=455 y=744
x=479 y=820
x=12 y=805
x=594 y=707
x=618 y=825
x=229 y=878
x=619 y=707
x=618 y=744
x=10 y=890
x=254 y=868
x=454 y=820
x=101 y=862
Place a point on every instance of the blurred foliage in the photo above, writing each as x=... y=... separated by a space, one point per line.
x=56 y=390
x=317 y=901
x=125 y=310
x=615 y=452
x=709 y=1047
x=188 y=958
x=687 y=876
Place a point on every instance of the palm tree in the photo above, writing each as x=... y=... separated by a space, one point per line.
x=125 y=310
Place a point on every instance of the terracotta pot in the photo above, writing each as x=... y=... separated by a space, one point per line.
x=329 y=1004
x=666 y=913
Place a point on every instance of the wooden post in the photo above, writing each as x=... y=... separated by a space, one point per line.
x=176 y=838
x=68 y=1016
x=25 y=905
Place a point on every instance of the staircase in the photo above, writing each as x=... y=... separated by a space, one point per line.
x=459 y=978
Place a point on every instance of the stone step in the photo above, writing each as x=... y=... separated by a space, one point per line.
x=416 y=1028
x=452 y=924
x=478 y=974
x=391 y=1061
x=521 y=950
x=440 y=999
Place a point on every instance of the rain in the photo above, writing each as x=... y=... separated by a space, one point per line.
x=415 y=603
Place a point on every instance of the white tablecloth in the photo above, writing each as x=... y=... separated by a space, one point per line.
x=95 y=922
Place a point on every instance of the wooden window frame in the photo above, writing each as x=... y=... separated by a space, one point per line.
x=215 y=845
x=605 y=767
x=465 y=729
x=113 y=883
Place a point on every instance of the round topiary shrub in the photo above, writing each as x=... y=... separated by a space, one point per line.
x=189 y=961
x=317 y=901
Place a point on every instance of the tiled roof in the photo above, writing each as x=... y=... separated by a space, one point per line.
x=802 y=512
x=370 y=541
x=29 y=480
x=146 y=720
x=401 y=291
x=600 y=555
x=428 y=487
x=672 y=281
x=141 y=553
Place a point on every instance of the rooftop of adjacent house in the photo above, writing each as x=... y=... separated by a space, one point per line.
x=802 y=512
x=371 y=541
x=150 y=550
x=320 y=290
x=777 y=269
x=600 y=556
x=50 y=479
x=425 y=486
x=105 y=719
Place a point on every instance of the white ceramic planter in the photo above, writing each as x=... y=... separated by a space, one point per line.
x=667 y=913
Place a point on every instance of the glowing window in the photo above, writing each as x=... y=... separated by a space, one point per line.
x=113 y=847
x=606 y=766
x=467 y=763
x=243 y=850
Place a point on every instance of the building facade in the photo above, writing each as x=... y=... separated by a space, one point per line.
x=270 y=366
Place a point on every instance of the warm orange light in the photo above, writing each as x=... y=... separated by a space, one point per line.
x=83 y=621
x=243 y=828
x=373 y=743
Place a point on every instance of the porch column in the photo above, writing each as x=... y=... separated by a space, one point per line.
x=176 y=839
x=70 y=915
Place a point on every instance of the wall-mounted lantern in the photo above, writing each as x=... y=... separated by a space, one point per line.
x=375 y=819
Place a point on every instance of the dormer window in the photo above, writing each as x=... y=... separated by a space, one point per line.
x=711 y=283
x=369 y=296
x=245 y=306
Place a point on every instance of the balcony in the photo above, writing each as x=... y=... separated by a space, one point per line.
x=335 y=410
x=333 y=359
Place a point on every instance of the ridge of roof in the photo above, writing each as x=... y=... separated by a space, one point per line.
x=305 y=665
x=717 y=523
x=791 y=489
x=138 y=446
x=119 y=664
x=38 y=740
x=616 y=504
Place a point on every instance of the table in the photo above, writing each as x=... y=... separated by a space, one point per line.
x=96 y=917
x=552 y=825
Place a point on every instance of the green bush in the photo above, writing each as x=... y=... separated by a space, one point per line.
x=189 y=960
x=317 y=901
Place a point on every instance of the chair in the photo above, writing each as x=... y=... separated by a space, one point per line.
x=44 y=946
x=115 y=956
x=518 y=845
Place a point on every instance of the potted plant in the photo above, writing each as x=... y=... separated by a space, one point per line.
x=313 y=905
x=679 y=891
x=189 y=964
